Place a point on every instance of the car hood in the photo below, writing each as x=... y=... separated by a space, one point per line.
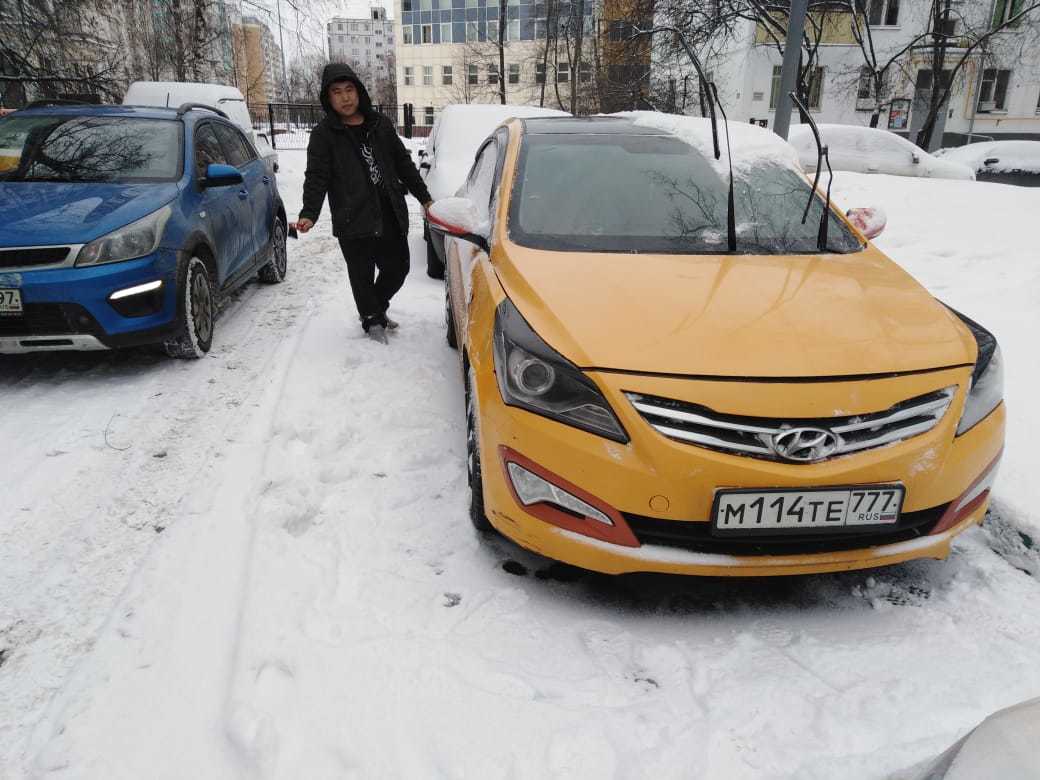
x=744 y=316
x=37 y=212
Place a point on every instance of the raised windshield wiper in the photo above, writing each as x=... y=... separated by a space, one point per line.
x=712 y=93
x=821 y=156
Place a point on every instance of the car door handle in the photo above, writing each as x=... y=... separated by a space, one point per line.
x=242 y=194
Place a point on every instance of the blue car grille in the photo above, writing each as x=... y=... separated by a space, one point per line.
x=22 y=258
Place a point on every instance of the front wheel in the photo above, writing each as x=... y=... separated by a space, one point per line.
x=275 y=270
x=196 y=312
x=473 y=468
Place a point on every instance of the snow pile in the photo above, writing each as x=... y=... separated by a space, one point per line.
x=1007 y=156
x=870 y=150
x=457 y=135
x=752 y=146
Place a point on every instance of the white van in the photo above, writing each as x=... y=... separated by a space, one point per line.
x=172 y=94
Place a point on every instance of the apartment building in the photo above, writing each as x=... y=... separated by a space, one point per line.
x=366 y=44
x=448 y=53
x=258 y=62
x=995 y=94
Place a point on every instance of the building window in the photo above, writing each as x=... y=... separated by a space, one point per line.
x=539 y=73
x=473 y=76
x=446 y=75
x=492 y=74
x=1007 y=9
x=472 y=32
x=428 y=116
x=445 y=33
x=339 y=27
x=427 y=33
x=816 y=88
x=427 y=75
x=513 y=30
x=406 y=37
x=514 y=73
x=492 y=31
x=619 y=30
x=993 y=94
x=880 y=13
x=774 y=89
x=1038 y=103
x=563 y=73
x=585 y=72
x=409 y=76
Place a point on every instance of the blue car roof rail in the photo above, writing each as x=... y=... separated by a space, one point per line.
x=184 y=108
x=57 y=102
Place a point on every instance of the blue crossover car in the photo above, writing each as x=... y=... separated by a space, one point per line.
x=122 y=226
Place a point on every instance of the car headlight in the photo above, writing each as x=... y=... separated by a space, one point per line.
x=533 y=376
x=987 y=380
x=137 y=239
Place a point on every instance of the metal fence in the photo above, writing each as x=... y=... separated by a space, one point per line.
x=288 y=125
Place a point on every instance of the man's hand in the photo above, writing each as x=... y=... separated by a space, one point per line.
x=426 y=205
x=303 y=225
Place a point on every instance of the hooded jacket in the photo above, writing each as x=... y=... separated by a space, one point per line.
x=335 y=168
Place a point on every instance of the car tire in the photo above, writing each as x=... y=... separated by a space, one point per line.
x=473 y=465
x=449 y=321
x=434 y=266
x=196 y=313
x=274 y=271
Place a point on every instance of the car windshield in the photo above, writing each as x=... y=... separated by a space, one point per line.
x=89 y=149
x=657 y=194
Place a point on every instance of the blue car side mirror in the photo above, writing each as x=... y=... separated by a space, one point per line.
x=221 y=176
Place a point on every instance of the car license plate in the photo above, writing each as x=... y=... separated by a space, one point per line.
x=793 y=510
x=11 y=302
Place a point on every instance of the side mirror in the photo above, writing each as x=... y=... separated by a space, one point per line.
x=459 y=217
x=868 y=221
x=218 y=175
x=991 y=161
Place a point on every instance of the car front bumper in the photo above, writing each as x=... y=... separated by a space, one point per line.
x=659 y=483
x=71 y=308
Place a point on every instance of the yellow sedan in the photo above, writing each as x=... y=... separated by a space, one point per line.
x=658 y=380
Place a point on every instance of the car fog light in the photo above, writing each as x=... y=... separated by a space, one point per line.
x=136 y=290
x=532 y=489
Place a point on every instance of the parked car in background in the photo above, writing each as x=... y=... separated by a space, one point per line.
x=456 y=135
x=647 y=391
x=228 y=99
x=870 y=150
x=1007 y=162
x=125 y=225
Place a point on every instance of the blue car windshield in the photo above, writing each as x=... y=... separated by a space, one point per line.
x=62 y=148
x=656 y=194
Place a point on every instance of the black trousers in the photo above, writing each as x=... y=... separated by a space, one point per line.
x=386 y=254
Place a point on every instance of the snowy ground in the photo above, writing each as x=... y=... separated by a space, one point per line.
x=259 y=565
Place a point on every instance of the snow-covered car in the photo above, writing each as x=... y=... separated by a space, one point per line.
x=170 y=94
x=870 y=150
x=663 y=377
x=1003 y=745
x=456 y=135
x=1008 y=162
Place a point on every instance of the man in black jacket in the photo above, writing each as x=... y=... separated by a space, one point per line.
x=356 y=158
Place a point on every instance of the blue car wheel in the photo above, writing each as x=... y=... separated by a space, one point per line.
x=196 y=312
x=274 y=271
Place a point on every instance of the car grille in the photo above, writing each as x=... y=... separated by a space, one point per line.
x=26 y=257
x=48 y=319
x=697 y=537
x=755 y=436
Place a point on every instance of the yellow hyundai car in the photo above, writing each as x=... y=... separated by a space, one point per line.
x=662 y=378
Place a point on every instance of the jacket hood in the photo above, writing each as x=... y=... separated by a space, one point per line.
x=339 y=71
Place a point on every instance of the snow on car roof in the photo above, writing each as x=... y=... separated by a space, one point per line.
x=1010 y=155
x=462 y=128
x=751 y=145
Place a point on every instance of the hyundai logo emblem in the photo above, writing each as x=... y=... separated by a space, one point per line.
x=805 y=444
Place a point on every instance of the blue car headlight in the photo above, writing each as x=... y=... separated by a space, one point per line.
x=987 y=379
x=137 y=239
x=533 y=376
